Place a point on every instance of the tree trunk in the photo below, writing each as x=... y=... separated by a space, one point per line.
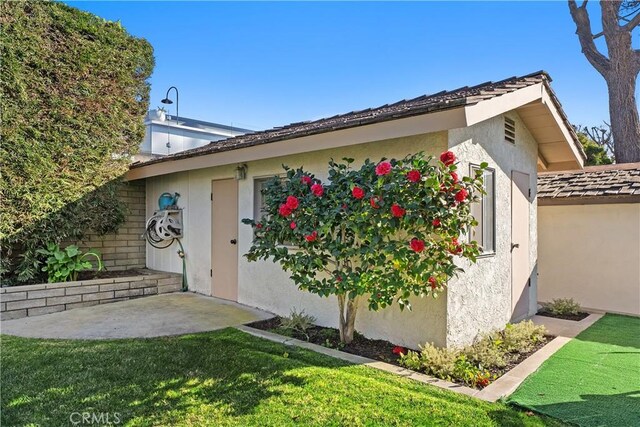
x=348 y=310
x=623 y=110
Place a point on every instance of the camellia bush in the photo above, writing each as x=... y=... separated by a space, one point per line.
x=384 y=232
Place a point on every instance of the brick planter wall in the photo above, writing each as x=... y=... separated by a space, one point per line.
x=34 y=300
x=125 y=249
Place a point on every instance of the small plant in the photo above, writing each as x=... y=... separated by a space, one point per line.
x=562 y=307
x=522 y=337
x=487 y=352
x=440 y=362
x=63 y=265
x=299 y=322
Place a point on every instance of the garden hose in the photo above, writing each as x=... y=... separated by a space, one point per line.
x=185 y=283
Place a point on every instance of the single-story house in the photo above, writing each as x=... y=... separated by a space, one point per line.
x=516 y=125
x=578 y=212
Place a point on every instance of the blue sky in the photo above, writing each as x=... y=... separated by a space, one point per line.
x=260 y=65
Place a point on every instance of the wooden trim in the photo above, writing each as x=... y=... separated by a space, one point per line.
x=594 y=200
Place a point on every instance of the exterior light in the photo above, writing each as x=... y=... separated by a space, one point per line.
x=241 y=172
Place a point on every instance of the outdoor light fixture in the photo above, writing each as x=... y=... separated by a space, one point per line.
x=241 y=172
x=167 y=101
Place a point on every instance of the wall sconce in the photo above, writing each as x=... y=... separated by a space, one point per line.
x=241 y=172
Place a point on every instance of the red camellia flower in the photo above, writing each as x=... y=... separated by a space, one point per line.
x=317 y=189
x=461 y=195
x=447 y=158
x=258 y=226
x=399 y=350
x=417 y=245
x=339 y=279
x=292 y=225
x=413 y=175
x=456 y=248
x=374 y=202
x=284 y=210
x=433 y=282
x=357 y=192
x=311 y=237
x=292 y=202
x=306 y=180
x=436 y=222
x=383 y=168
x=454 y=177
x=397 y=211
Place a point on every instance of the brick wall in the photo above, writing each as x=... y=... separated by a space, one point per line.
x=34 y=300
x=125 y=249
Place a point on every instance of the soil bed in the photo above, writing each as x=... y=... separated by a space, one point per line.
x=107 y=274
x=575 y=317
x=372 y=349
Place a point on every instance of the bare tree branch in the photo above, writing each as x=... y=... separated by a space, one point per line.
x=634 y=22
x=583 y=30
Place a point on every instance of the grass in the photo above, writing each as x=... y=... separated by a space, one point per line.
x=220 y=378
x=594 y=380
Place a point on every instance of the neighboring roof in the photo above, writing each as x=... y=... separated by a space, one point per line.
x=440 y=101
x=618 y=181
x=199 y=124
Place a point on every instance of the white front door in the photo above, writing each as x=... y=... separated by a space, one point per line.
x=224 y=235
x=520 y=271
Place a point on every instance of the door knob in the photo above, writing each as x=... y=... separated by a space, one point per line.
x=515 y=245
x=233 y=241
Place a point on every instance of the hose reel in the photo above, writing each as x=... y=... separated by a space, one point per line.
x=162 y=229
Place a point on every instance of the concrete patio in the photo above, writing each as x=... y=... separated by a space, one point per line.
x=162 y=315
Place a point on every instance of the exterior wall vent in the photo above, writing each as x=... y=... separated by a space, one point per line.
x=509 y=130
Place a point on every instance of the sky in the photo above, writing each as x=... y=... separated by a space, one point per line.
x=260 y=65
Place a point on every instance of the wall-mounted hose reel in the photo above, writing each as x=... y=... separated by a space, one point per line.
x=165 y=226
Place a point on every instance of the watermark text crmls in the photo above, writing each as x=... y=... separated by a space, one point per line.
x=95 y=418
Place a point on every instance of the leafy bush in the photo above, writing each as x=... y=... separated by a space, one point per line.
x=471 y=364
x=562 y=307
x=298 y=322
x=63 y=265
x=74 y=92
x=487 y=352
x=522 y=337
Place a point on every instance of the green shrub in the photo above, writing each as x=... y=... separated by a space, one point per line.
x=440 y=362
x=74 y=91
x=487 y=352
x=562 y=307
x=298 y=322
x=522 y=337
x=63 y=265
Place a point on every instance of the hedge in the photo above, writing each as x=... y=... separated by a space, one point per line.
x=74 y=90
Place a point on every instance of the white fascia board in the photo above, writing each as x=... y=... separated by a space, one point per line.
x=493 y=107
x=417 y=125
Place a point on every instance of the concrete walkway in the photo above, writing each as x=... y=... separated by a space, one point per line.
x=161 y=315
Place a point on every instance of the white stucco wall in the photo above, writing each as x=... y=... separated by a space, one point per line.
x=480 y=299
x=480 y=302
x=574 y=262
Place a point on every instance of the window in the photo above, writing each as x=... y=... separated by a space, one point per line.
x=484 y=213
x=258 y=201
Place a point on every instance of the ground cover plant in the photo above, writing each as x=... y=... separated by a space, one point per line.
x=383 y=232
x=221 y=378
x=478 y=364
x=594 y=380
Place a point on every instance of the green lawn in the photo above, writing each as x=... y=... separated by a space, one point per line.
x=220 y=378
x=594 y=380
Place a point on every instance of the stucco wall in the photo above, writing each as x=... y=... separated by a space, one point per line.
x=480 y=299
x=591 y=253
x=264 y=284
x=480 y=303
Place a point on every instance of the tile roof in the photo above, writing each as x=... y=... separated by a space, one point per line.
x=621 y=180
x=406 y=108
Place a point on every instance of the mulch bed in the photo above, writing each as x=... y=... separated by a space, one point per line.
x=361 y=346
x=576 y=317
